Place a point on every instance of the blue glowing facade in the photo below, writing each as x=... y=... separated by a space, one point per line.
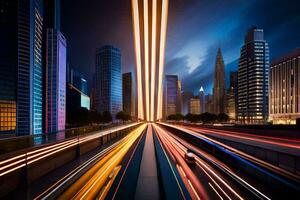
x=21 y=66
x=108 y=80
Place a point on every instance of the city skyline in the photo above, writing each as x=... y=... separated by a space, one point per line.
x=188 y=34
x=149 y=99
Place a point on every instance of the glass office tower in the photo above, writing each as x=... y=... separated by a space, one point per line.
x=21 y=66
x=128 y=99
x=253 y=79
x=108 y=80
x=171 y=95
x=55 y=81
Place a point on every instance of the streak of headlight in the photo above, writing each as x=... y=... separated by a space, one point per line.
x=164 y=19
x=146 y=49
x=137 y=40
x=153 y=57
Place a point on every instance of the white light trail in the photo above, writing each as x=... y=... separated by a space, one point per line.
x=163 y=32
x=137 y=42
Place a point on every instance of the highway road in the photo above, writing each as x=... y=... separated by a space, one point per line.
x=205 y=179
x=97 y=180
x=284 y=145
x=153 y=158
x=274 y=176
x=279 y=142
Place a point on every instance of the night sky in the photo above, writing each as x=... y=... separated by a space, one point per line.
x=196 y=28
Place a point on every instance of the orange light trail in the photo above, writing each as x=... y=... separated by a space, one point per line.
x=146 y=49
x=153 y=57
x=12 y=164
x=150 y=62
x=96 y=181
x=137 y=42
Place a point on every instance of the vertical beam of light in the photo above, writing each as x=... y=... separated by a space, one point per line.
x=137 y=40
x=153 y=57
x=163 y=32
x=146 y=39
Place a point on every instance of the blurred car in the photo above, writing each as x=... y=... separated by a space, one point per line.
x=189 y=158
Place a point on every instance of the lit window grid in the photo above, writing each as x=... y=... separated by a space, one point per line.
x=253 y=83
x=285 y=91
x=7 y=115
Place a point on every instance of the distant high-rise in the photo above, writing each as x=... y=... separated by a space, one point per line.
x=77 y=79
x=171 y=95
x=253 y=79
x=127 y=91
x=209 y=103
x=21 y=66
x=93 y=94
x=202 y=100
x=231 y=97
x=284 y=89
x=186 y=96
x=179 y=97
x=108 y=80
x=195 y=106
x=219 y=85
x=77 y=97
x=55 y=81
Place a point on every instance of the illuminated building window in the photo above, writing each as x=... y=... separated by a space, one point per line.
x=7 y=115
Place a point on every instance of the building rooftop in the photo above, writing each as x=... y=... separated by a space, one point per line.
x=287 y=56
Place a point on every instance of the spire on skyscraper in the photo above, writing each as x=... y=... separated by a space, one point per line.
x=219 y=84
x=201 y=89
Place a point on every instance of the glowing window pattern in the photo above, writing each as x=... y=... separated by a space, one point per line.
x=7 y=115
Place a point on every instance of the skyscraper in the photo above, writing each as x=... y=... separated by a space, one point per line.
x=127 y=91
x=150 y=27
x=21 y=66
x=55 y=81
x=231 y=97
x=179 y=97
x=209 y=103
x=284 y=88
x=219 y=85
x=77 y=97
x=195 y=106
x=108 y=80
x=77 y=79
x=253 y=79
x=171 y=95
x=55 y=46
x=202 y=100
x=186 y=96
x=93 y=94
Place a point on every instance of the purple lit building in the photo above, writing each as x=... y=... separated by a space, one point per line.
x=55 y=116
